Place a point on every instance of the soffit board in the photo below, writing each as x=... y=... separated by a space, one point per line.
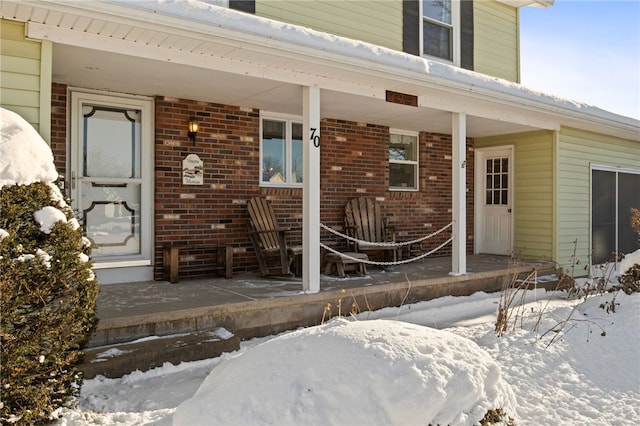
x=277 y=64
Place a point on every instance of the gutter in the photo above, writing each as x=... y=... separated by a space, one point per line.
x=193 y=18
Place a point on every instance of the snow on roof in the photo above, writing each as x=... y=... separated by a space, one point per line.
x=208 y=12
x=25 y=157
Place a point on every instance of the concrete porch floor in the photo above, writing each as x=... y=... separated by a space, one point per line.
x=127 y=305
x=149 y=323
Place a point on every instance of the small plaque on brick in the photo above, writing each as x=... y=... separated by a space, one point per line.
x=192 y=170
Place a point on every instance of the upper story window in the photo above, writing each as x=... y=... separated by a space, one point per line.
x=281 y=151
x=440 y=29
x=403 y=160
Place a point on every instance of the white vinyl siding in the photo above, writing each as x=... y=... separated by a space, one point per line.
x=496 y=40
x=377 y=22
x=577 y=152
x=25 y=77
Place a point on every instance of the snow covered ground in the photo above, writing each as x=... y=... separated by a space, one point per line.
x=561 y=362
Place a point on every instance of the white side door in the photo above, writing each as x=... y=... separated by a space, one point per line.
x=494 y=200
x=111 y=159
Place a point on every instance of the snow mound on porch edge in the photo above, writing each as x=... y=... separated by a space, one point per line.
x=355 y=372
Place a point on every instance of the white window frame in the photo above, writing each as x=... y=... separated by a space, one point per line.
x=455 y=33
x=289 y=120
x=415 y=163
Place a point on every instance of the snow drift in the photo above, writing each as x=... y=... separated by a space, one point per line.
x=353 y=372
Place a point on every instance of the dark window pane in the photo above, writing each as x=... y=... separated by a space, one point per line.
x=488 y=200
x=505 y=181
x=489 y=168
x=505 y=165
x=436 y=40
x=273 y=151
x=505 y=197
x=628 y=198
x=296 y=131
x=402 y=175
x=439 y=10
x=603 y=210
x=296 y=160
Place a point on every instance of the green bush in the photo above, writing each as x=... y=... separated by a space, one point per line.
x=48 y=296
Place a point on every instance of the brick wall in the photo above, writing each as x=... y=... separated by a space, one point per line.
x=59 y=126
x=215 y=212
x=354 y=162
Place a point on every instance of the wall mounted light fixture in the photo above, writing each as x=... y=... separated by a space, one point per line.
x=192 y=129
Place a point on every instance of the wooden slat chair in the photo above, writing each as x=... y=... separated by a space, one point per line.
x=364 y=221
x=268 y=239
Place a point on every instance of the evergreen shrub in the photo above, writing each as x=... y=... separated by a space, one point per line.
x=48 y=300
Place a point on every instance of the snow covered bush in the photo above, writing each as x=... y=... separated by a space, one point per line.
x=47 y=288
x=630 y=266
x=372 y=372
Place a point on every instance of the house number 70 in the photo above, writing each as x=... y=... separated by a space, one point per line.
x=315 y=138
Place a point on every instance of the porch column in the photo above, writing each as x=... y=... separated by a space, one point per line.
x=311 y=190
x=459 y=188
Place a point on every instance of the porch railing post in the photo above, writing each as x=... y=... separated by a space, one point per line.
x=311 y=190
x=459 y=188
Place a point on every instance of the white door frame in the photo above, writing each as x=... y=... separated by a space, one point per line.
x=480 y=156
x=138 y=267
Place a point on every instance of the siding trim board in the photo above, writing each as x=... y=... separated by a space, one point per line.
x=25 y=80
x=46 y=64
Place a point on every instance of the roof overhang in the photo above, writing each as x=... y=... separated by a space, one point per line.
x=224 y=56
x=523 y=3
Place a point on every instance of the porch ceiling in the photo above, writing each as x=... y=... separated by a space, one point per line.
x=82 y=67
x=223 y=56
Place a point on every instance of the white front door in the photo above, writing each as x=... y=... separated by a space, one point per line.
x=111 y=154
x=494 y=200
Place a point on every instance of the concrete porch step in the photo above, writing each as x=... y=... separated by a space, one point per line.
x=255 y=316
x=126 y=343
x=117 y=360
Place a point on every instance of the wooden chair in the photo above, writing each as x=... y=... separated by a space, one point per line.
x=268 y=239
x=364 y=221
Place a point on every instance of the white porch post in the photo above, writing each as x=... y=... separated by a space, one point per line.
x=459 y=188
x=311 y=190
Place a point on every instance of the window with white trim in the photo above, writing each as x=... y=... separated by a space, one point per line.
x=440 y=29
x=614 y=192
x=403 y=160
x=280 y=150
